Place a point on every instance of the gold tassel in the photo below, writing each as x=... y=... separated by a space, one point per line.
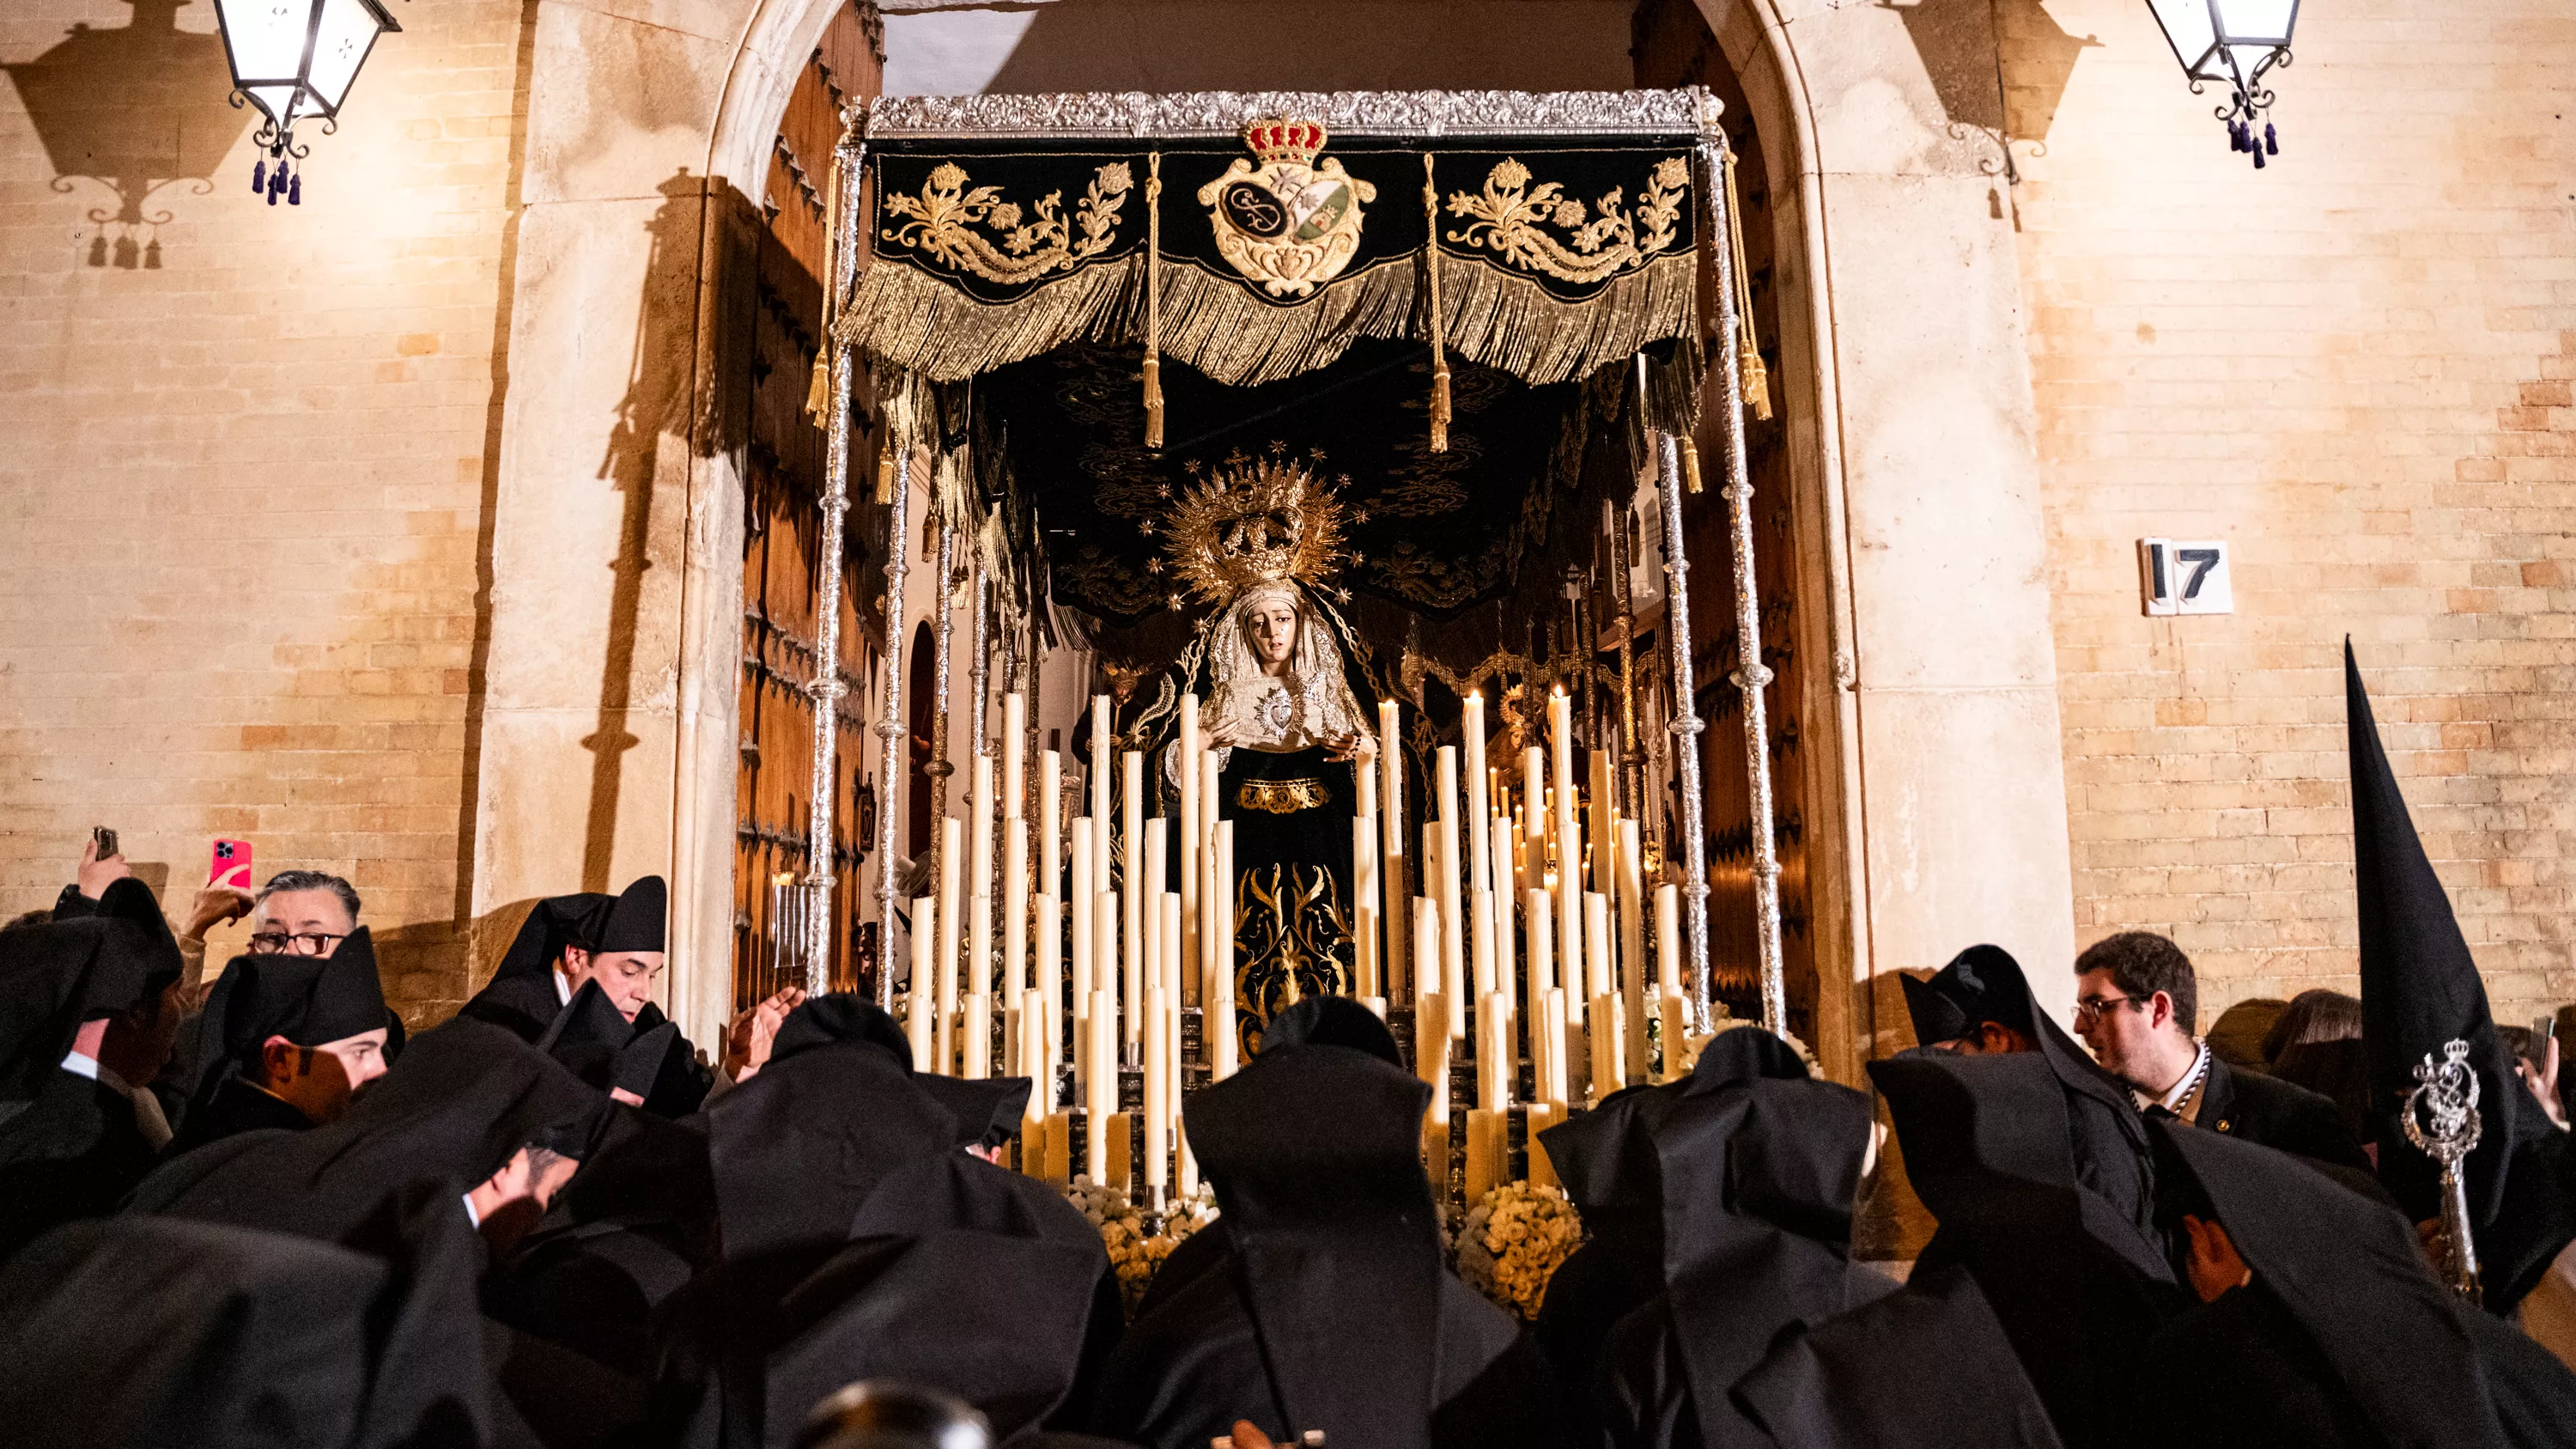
x=1751 y=375
x=1154 y=301
x=885 y=476
x=818 y=392
x=1439 y=323
x=1690 y=465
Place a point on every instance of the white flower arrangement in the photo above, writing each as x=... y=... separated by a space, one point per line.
x=1134 y=1254
x=1513 y=1241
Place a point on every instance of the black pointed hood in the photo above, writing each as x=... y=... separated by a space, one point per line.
x=2420 y=989
x=309 y=1000
x=463 y=1098
x=588 y=1035
x=55 y=976
x=636 y=920
x=1314 y=1153
x=1332 y=1021
x=988 y=1109
x=798 y=1148
x=1760 y=1166
x=551 y=925
x=2350 y=1272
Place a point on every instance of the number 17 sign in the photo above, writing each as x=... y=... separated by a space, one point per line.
x=2184 y=576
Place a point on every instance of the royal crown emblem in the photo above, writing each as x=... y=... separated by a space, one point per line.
x=1289 y=224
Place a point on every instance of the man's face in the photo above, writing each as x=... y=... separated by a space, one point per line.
x=626 y=977
x=362 y=1057
x=2122 y=1032
x=305 y=923
x=1274 y=631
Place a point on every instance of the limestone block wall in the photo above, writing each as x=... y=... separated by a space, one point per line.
x=2355 y=366
x=246 y=460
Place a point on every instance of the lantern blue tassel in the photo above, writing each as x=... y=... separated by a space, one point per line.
x=273 y=190
x=258 y=177
x=295 y=188
x=2271 y=140
x=2258 y=156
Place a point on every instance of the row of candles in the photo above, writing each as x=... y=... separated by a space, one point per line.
x=1125 y=956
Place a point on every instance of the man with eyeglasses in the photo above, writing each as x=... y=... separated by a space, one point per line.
x=2137 y=1003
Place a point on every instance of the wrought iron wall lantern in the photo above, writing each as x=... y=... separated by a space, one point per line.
x=294 y=61
x=2234 y=44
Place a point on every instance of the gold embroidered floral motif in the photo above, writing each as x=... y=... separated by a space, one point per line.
x=944 y=217
x=1282 y=797
x=1511 y=218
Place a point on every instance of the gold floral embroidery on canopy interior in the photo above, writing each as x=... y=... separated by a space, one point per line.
x=1511 y=218
x=944 y=219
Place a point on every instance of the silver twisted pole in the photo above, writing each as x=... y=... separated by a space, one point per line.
x=1685 y=724
x=826 y=688
x=1751 y=675
x=890 y=729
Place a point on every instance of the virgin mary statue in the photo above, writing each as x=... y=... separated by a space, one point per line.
x=1274 y=664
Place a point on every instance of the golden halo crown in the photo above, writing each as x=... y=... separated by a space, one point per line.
x=1285 y=138
x=1254 y=521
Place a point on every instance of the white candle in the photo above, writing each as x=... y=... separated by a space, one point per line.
x=1015 y=770
x=1104 y=982
x=1015 y=905
x=1158 y=1099
x=1050 y=929
x=978 y=1030
x=1220 y=1022
x=1392 y=885
x=1569 y=855
x=1533 y=843
x=1100 y=791
x=1080 y=901
x=952 y=849
x=1100 y=1099
x=1540 y=926
x=1216 y=924
x=1364 y=978
x=1192 y=838
x=1155 y=887
x=1632 y=951
x=1453 y=953
x=977 y=972
x=1506 y=958
x=1668 y=940
x=1426 y=938
x=1131 y=956
x=921 y=1016
x=1168 y=1016
x=1479 y=810
x=1559 y=1034
x=1035 y=1020
x=1051 y=824
x=1605 y=1022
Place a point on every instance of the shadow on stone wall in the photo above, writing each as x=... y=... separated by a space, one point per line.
x=135 y=109
x=1957 y=41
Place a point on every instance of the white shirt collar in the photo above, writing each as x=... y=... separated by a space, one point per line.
x=2183 y=1097
x=563 y=988
x=81 y=1064
x=471 y=1215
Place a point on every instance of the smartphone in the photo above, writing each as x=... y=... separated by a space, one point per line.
x=230 y=864
x=104 y=839
x=2544 y=1027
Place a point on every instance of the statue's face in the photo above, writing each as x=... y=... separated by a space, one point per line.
x=1273 y=627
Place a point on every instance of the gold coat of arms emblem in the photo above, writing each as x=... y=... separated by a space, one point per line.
x=1289 y=223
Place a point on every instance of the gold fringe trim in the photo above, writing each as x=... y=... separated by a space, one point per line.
x=1154 y=301
x=885 y=477
x=1439 y=322
x=917 y=322
x=818 y=392
x=1690 y=465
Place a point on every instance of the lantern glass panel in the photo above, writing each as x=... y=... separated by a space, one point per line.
x=349 y=29
x=2191 y=28
x=265 y=37
x=2256 y=24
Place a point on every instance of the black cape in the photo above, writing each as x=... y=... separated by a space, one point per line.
x=521 y=995
x=1926 y=1367
x=1760 y=1168
x=309 y=1000
x=69 y=1144
x=461 y=1101
x=137 y=1331
x=1989 y=1148
x=2419 y=989
x=1333 y=1311
x=798 y=1148
x=2344 y=1336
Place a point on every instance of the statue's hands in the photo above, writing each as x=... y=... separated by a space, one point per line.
x=1349 y=747
x=1223 y=735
